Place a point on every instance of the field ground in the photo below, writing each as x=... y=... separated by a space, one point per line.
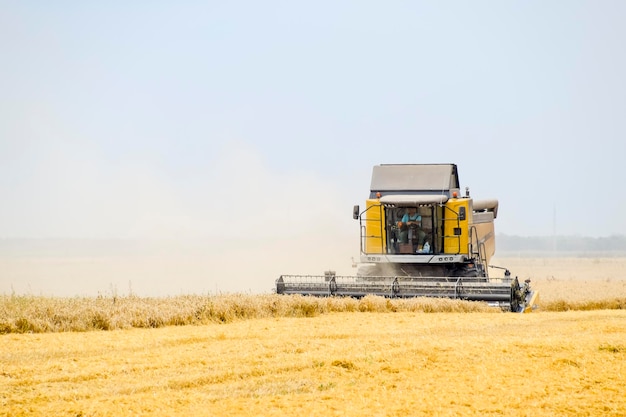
x=361 y=361
x=374 y=364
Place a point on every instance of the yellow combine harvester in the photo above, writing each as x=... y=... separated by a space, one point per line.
x=421 y=238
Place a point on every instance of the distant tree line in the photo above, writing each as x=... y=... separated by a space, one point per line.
x=547 y=244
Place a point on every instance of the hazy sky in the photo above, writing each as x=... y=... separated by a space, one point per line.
x=151 y=118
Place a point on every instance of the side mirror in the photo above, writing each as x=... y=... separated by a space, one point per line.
x=355 y=212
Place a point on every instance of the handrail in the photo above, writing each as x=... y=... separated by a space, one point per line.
x=363 y=227
x=480 y=251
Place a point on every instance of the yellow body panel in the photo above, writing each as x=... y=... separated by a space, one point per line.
x=455 y=243
x=375 y=233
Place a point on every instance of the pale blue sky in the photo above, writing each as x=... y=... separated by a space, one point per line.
x=132 y=119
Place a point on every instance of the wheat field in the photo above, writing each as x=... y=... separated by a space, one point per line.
x=374 y=364
x=275 y=356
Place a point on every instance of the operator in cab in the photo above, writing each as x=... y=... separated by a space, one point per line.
x=411 y=222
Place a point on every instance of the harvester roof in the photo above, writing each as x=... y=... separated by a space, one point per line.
x=415 y=179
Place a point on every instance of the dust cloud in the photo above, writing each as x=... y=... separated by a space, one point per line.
x=233 y=226
x=166 y=267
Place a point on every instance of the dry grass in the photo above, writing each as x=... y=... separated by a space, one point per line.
x=30 y=314
x=563 y=284
x=339 y=364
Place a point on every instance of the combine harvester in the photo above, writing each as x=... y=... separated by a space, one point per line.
x=420 y=238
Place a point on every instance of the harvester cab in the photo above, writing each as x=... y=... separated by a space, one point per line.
x=420 y=238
